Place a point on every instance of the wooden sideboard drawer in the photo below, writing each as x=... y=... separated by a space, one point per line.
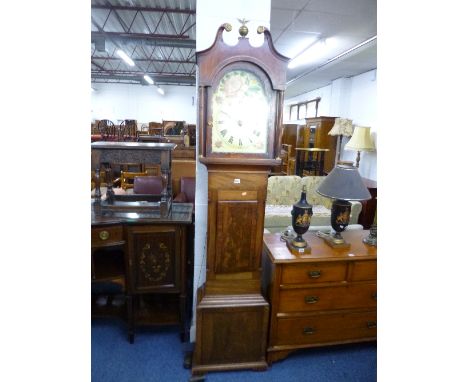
x=327 y=298
x=104 y=236
x=313 y=273
x=326 y=328
x=364 y=270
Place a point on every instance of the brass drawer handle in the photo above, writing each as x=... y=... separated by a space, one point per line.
x=374 y=295
x=315 y=274
x=311 y=299
x=104 y=235
x=371 y=324
x=308 y=331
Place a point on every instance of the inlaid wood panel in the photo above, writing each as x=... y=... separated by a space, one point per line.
x=236 y=236
x=155 y=258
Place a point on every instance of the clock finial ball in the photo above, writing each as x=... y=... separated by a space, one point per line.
x=243 y=30
x=227 y=27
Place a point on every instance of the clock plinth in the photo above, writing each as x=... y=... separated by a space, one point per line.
x=240 y=103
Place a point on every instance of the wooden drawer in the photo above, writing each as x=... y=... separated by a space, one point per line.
x=313 y=273
x=364 y=270
x=327 y=298
x=326 y=328
x=107 y=235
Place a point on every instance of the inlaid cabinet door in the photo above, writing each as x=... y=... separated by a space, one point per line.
x=155 y=258
x=236 y=236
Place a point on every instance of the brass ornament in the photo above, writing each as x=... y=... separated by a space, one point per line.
x=261 y=29
x=227 y=27
x=104 y=235
x=243 y=30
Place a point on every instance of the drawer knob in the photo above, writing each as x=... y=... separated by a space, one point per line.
x=308 y=331
x=315 y=274
x=311 y=299
x=371 y=324
x=104 y=235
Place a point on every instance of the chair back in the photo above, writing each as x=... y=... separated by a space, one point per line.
x=187 y=186
x=106 y=129
x=148 y=185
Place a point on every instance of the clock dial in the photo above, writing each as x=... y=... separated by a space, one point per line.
x=240 y=109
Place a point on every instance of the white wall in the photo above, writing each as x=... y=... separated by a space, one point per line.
x=354 y=98
x=143 y=103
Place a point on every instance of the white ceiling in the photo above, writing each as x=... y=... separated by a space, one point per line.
x=295 y=24
x=160 y=36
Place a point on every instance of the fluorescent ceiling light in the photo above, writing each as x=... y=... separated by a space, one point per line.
x=161 y=90
x=312 y=54
x=148 y=79
x=124 y=57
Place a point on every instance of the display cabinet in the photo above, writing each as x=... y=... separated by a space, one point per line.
x=315 y=135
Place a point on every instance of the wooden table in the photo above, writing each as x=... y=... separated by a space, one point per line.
x=316 y=162
x=324 y=298
x=145 y=254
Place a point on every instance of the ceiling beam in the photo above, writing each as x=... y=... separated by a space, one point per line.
x=148 y=39
x=144 y=9
x=146 y=60
x=173 y=80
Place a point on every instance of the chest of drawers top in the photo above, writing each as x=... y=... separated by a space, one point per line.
x=278 y=252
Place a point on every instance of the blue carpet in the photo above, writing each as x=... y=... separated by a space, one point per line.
x=157 y=356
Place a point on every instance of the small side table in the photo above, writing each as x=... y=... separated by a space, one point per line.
x=369 y=207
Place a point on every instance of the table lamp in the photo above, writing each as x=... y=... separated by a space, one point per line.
x=342 y=127
x=360 y=141
x=342 y=185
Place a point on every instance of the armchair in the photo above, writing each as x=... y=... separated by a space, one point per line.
x=187 y=190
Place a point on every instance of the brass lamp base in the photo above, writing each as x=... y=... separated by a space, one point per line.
x=297 y=251
x=334 y=240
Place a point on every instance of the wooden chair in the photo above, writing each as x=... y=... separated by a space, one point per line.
x=127 y=130
x=107 y=130
x=127 y=178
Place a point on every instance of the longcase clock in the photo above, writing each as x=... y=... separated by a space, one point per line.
x=241 y=90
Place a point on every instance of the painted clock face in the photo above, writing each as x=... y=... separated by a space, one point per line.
x=240 y=114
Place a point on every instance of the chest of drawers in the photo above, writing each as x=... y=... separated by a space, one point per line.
x=324 y=298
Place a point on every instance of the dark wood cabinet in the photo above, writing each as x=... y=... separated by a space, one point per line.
x=147 y=256
x=324 y=298
x=315 y=135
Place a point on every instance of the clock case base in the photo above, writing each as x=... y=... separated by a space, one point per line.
x=231 y=333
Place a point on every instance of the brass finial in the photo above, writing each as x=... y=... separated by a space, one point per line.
x=243 y=30
x=227 y=27
x=261 y=29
